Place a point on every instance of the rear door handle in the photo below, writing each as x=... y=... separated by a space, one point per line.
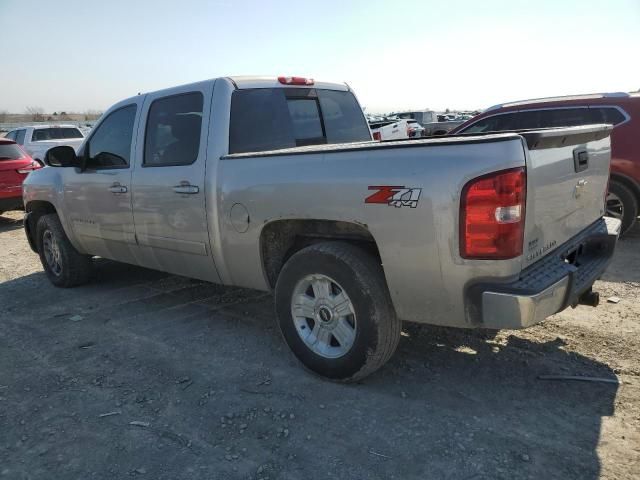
x=117 y=188
x=186 y=188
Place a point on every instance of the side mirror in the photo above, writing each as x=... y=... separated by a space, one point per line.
x=62 y=156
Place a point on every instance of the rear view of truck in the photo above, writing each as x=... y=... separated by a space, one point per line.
x=550 y=215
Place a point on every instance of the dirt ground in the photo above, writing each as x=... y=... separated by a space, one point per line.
x=140 y=374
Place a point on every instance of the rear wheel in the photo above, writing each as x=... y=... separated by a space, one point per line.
x=622 y=204
x=334 y=311
x=63 y=264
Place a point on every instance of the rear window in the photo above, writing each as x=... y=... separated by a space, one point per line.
x=549 y=118
x=610 y=115
x=305 y=119
x=277 y=118
x=55 y=133
x=10 y=151
x=495 y=123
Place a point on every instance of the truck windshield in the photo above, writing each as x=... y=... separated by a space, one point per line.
x=55 y=133
x=10 y=151
x=268 y=119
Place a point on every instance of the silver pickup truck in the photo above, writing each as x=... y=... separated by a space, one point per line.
x=275 y=184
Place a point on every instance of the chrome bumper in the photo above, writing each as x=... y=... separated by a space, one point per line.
x=552 y=284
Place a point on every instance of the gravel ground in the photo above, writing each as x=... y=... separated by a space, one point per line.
x=141 y=374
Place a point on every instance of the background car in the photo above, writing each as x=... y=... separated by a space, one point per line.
x=38 y=139
x=15 y=165
x=619 y=109
x=390 y=129
x=431 y=122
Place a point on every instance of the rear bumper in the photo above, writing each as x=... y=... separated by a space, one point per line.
x=548 y=286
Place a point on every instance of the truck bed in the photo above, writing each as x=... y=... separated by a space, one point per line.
x=542 y=138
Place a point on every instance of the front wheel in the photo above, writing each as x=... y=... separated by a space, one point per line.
x=62 y=263
x=334 y=311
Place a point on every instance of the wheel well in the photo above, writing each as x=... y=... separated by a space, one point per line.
x=627 y=182
x=36 y=209
x=280 y=239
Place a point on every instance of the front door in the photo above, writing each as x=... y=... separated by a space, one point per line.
x=169 y=183
x=98 y=199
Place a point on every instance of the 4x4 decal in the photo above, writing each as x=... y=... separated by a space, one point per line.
x=395 y=196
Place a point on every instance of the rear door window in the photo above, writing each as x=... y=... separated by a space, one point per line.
x=11 y=135
x=276 y=118
x=173 y=131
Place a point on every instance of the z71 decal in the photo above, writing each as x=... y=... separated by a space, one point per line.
x=394 y=196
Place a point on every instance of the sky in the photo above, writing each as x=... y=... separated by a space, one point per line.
x=68 y=55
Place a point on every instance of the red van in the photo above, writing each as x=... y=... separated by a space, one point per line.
x=15 y=165
x=620 y=109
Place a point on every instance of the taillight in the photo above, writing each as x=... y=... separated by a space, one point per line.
x=492 y=215
x=29 y=168
x=377 y=136
x=295 y=81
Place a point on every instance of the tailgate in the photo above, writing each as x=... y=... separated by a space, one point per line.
x=567 y=175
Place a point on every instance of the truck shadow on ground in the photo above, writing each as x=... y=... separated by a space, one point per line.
x=7 y=224
x=625 y=266
x=450 y=403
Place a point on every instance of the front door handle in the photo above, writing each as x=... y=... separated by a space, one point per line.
x=117 y=188
x=186 y=188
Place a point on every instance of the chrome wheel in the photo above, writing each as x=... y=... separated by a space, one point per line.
x=615 y=207
x=324 y=316
x=52 y=253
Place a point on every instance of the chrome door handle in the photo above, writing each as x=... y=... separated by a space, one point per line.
x=117 y=188
x=186 y=188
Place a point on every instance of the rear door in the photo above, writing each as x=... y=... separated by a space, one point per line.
x=567 y=175
x=168 y=184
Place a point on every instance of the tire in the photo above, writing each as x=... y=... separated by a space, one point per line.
x=622 y=204
x=355 y=276
x=63 y=264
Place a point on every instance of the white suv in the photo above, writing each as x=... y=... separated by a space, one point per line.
x=37 y=140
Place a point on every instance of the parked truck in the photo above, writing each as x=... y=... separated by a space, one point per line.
x=352 y=236
x=430 y=121
x=36 y=140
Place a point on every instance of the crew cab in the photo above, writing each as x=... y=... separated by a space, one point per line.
x=352 y=235
x=620 y=109
x=36 y=140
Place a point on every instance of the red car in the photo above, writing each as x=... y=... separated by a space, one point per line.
x=15 y=165
x=620 y=109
